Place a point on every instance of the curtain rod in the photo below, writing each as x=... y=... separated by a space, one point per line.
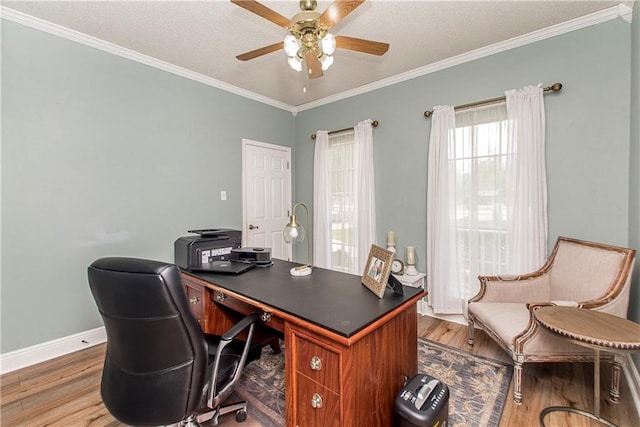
x=373 y=123
x=553 y=88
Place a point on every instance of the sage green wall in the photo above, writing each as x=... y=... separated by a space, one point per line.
x=105 y=156
x=587 y=133
x=634 y=184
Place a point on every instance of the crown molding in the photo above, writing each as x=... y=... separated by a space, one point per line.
x=614 y=12
x=622 y=11
x=76 y=36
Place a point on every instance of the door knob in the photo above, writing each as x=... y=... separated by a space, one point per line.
x=252 y=227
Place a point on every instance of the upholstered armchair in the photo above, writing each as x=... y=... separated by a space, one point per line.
x=578 y=273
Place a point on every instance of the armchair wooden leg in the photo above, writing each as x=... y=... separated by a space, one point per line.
x=470 y=333
x=616 y=366
x=517 y=383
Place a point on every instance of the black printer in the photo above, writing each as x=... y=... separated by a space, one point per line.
x=214 y=244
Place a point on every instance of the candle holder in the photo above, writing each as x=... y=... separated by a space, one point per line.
x=411 y=270
x=391 y=241
x=411 y=262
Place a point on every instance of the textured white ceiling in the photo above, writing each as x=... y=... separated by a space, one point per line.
x=204 y=37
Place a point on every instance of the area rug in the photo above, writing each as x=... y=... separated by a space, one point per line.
x=478 y=386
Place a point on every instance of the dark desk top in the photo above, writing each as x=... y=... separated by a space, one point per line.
x=330 y=299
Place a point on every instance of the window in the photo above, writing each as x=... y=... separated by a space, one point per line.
x=480 y=156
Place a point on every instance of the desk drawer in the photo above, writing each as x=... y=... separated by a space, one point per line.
x=244 y=308
x=196 y=298
x=316 y=405
x=318 y=363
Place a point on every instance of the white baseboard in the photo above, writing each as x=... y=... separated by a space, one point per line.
x=48 y=350
x=425 y=310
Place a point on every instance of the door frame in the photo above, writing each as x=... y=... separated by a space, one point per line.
x=287 y=203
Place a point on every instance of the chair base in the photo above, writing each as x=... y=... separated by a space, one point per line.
x=210 y=418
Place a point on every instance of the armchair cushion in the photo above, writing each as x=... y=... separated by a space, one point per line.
x=506 y=320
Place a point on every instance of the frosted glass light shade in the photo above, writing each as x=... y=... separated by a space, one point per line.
x=328 y=44
x=295 y=63
x=326 y=61
x=291 y=45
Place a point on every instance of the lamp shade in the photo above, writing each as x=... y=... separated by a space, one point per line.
x=293 y=232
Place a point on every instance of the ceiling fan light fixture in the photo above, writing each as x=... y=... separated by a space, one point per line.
x=326 y=61
x=291 y=45
x=328 y=44
x=295 y=63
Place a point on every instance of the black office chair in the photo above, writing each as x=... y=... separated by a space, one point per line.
x=160 y=368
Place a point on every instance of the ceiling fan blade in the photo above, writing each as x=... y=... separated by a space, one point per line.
x=361 y=45
x=314 y=68
x=262 y=11
x=262 y=51
x=337 y=11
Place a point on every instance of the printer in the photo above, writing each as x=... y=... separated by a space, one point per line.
x=213 y=244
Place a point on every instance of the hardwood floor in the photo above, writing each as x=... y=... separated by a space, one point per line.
x=65 y=391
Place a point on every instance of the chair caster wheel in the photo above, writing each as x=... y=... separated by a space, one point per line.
x=241 y=415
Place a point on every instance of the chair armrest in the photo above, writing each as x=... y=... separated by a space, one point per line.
x=239 y=327
x=216 y=397
x=532 y=327
x=533 y=306
x=530 y=287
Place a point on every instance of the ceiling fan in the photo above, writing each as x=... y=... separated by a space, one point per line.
x=309 y=39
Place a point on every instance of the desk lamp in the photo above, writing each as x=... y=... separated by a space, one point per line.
x=294 y=233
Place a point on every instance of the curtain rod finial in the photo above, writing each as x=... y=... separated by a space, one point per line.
x=556 y=87
x=428 y=113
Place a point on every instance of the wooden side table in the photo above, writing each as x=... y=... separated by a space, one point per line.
x=593 y=329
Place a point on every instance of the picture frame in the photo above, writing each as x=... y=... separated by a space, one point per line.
x=377 y=270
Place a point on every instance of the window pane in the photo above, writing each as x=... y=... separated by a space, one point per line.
x=479 y=152
x=342 y=203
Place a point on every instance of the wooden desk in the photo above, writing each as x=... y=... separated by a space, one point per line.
x=347 y=352
x=594 y=329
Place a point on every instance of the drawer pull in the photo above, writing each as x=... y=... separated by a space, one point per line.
x=316 y=363
x=265 y=317
x=316 y=401
x=194 y=300
x=220 y=296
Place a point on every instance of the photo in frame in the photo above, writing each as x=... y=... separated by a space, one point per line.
x=377 y=269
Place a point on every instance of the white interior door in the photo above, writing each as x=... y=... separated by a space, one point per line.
x=266 y=191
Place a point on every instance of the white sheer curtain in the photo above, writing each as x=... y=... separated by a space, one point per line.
x=365 y=231
x=344 y=199
x=321 y=204
x=444 y=293
x=526 y=180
